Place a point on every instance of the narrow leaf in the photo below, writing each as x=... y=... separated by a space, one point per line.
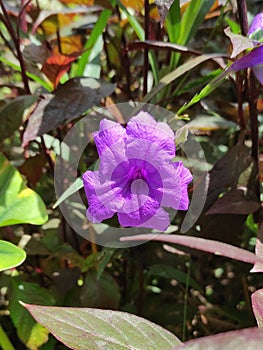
x=74 y=187
x=96 y=32
x=205 y=245
x=94 y=329
x=184 y=68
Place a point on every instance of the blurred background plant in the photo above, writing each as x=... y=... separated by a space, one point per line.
x=59 y=59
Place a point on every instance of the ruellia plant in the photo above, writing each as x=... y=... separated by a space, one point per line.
x=131 y=174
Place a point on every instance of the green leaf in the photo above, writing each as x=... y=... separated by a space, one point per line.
x=28 y=331
x=30 y=75
x=141 y=35
x=169 y=272
x=18 y=203
x=74 y=187
x=101 y=293
x=10 y=255
x=193 y=17
x=184 y=68
x=94 y=329
x=11 y=114
x=96 y=32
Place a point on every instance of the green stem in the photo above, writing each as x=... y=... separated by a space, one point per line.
x=5 y=343
x=188 y=264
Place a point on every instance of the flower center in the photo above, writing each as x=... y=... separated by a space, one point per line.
x=139 y=186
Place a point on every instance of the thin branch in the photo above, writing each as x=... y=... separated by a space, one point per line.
x=16 y=41
x=21 y=12
x=146 y=56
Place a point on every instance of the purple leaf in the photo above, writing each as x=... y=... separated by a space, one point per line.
x=69 y=102
x=257 y=305
x=205 y=245
x=234 y=202
x=248 y=339
x=258 y=267
x=94 y=329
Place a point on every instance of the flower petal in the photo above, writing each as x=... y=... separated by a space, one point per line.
x=252 y=59
x=149 y=215
x=144 y=126
x=97 y=211
x=146 y=150
x=256 y=24
x=109 y=134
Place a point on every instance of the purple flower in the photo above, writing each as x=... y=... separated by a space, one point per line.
x=136 y=177
x=253 y=59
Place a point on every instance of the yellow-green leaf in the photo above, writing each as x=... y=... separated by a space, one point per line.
x=18 y=203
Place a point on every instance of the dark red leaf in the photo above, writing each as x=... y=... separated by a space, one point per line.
x=234 y=202
x=69 y=102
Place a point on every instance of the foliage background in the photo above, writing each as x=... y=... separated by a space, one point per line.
x=125 y=51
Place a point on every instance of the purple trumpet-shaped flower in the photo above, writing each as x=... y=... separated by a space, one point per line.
x=253 y=59
x=136 y=177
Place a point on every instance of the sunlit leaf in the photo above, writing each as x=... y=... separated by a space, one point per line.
x=192 y=18
x=10 y=255
x=94 y=329
x=18 y=203
x=56 y=66
x=95 y=34
x=69 y=45
x=53 y=16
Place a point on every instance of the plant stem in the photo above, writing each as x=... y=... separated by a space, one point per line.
x=252 y=95
x=146 y=57
x=5 y=343
x=16 y=41
x=188 y=264
x=242 y=13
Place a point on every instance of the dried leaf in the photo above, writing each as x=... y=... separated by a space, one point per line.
x=56 y=66
x=163 y=8
x=239 y=42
